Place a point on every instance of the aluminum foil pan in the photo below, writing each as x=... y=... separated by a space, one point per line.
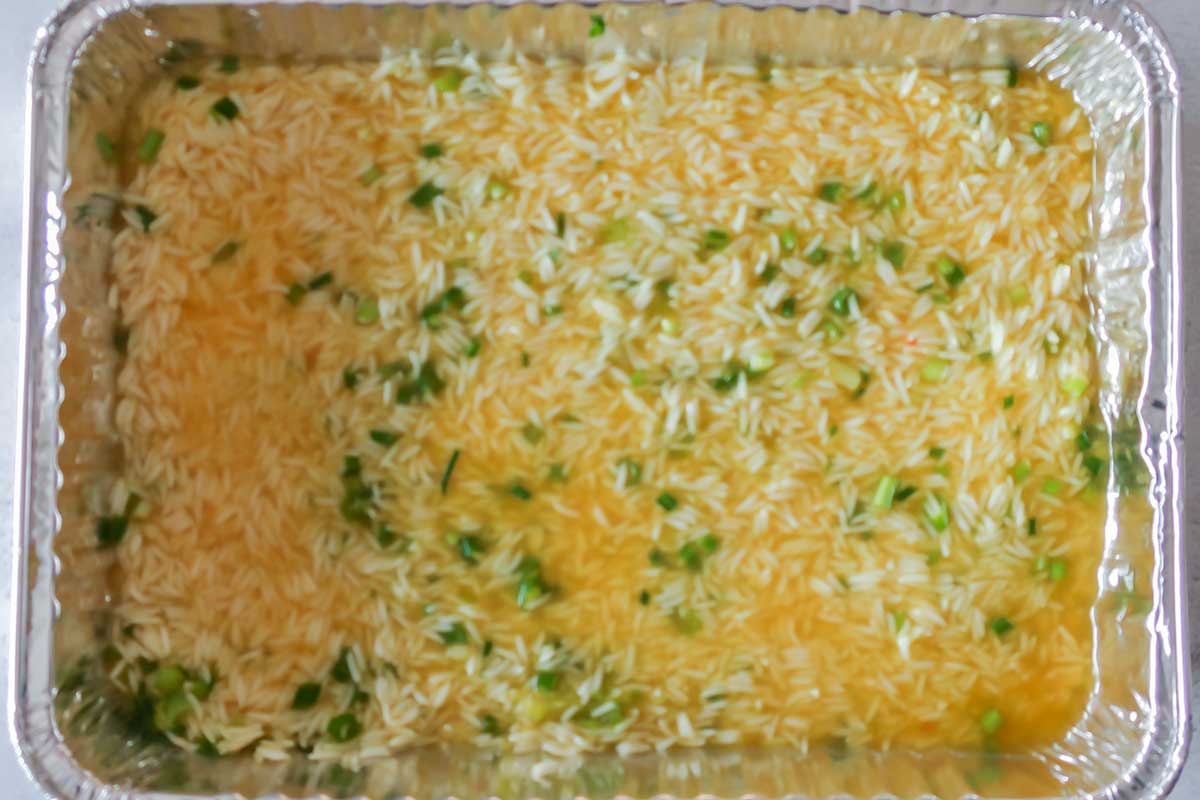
x=95 y=57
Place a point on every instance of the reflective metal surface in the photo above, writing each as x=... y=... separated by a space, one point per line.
x=1160 y=333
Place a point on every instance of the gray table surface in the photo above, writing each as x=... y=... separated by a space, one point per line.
x=1179 y=18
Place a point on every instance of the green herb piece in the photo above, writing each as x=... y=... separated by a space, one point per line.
x=894 y=253
x=344 y=727
x=384 y=438
x=104 y=145
x=306 y=696
x=788 y=239
x=341 y=668
x=432 y=150
x=667 y=501
x=787 y=309
x=1031 y=526
x=225 y=252
x=932 y=558
x=905 y=492
x=145 y=216
x=991 y=721
x=170 y=712
x=687 y=622
x=633 y=471
x=1000 y=626
x=934 y=370
x=658 y=558
x=470 y=546
x=715 y=240
x=898 y=618
x=1009 y=401
x=1012 y=74
x=424 y=195
x=816 y=256
x=366 y=311
x=728 y=379
x=617 y=230
x=843 y=301
x=120 y=339
x=770 y=272
x=1093 y=465
x=525 y=360
x=295 y=294
x=936 y=453
x=985 y=356
x=1051 y=486
x=937 y=512
x=1075 y=386
x=557 y=473
x=519 y=491
x=111 y=530
x=449 y=80
x=370 y=175
x=951 y=271
x=166 y=680
x=449 y=470
x=487 y=648
x=152 y=142
x=1020 y=471
x=455 y=633
x=1083 y=441
x=1042 y=133
x=531 y=586
x=385 y=537
x=830 y=191
x=644 y=598
x=229 y=65
x=1056 y=569
x=320 y=281
x=547 y=680
x=472 y=347
x=351 y=376
x=597 y=27
x=186 y=83
x=1018 y=295
x=225 y=109
x=895 y=201
x=885 y=492
x=496 y=189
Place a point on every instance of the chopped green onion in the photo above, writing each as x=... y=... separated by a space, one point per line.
x=597 y=26
x=1083 y=442
x=1012 y=74
x=532 y=433
x=843 y=300
x=1020 y=471
x=1042 y=133
x=344 y=727
x=687 y=622
x=449 y=470
x=787 y=239
x=496 y=189
x=557 y=473
x=617 y=230
x=225 y=252
x=370 y=175
x=644 y=597
x=295 y=294
x=366 y=311
x=633 y=471
x=341 y=668
x=898 y=619
x=490 y=725
x=905 y=492
x=1093 y=465
x=169 y=712
x=532 y=586
x=455 y=633
x=951 y=271
x=145 y=216
x=104 y=145
x=166 y=680
x=1000 y=626
x=985 y=356
x=187 y=82
x=111 y=530
x=1057 y=569
x=449 y=80
x=426 y=384
x=667 y=501
x=469 y=546
x=519 y=491
x=895 y=201
x=487 y=648
x=547 y=680
x=320 y=281
x=787 y=309
x=148 y=150
x=385 y=438
x=770 y=272
x=229 y=65
x=225 y=108
x=933 y=557
x=1031 y=526
x=1009 y=401
x=885 y=492
x=937 y=512
x=472 y=347
x=306 y=696
x=937 y=452
x=830 y=191
x=1052 y=486
x=351 y=375
x=991 y=721
x=1075 y=386
x=816 y=256
x=715 y=240
x=424 y=195
x=432 y=150
x=934 y=370
x=637 y=378
x=728 y=379
x=894 y=253
x=552 y=309
x=524 y=359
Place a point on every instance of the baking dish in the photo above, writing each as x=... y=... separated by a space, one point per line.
x=94 y=58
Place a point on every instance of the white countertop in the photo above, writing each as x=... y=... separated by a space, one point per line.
x=1179 y=18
